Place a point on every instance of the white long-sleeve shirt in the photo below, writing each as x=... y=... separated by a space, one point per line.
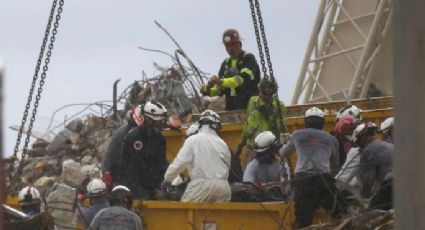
x=205 y=155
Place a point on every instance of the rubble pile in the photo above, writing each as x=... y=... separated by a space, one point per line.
x=369 y=220
x=58 y=169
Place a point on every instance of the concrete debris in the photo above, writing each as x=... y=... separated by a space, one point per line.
x=368 y=220
x=43 y=183
x=71 y=173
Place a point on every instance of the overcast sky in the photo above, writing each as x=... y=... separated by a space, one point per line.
x=97 y=43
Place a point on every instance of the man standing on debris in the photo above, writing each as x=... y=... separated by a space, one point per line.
x=317 y=163
x=267 y=166
x=262 y=115
x=238 y=76
x=207 y=158
x=112 y=156
x=143 y=154
x=119 y=215
x=375 y=173
x=97 y=193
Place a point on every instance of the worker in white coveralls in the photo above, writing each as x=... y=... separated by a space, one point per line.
x=207 y=158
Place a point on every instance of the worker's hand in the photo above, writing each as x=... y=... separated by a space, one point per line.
x=204 y=90
x=285 y=137
x=107 y=179
x=216 y=80
x=165 y=185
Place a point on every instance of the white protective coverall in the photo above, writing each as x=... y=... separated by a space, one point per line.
x=346 y=178
x=207 y=158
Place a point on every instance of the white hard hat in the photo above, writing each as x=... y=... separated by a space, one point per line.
x=362 y=129
x=265 y=141
x=192 y=129
x=350 y=110
x=387 y=125
x=314 y=111
x=96 y=187
x=29 y=195
x=155 y=110
x=121 y=187
x=210 y=116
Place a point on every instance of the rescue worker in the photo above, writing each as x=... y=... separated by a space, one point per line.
x=343 y=132
x=375 y=173
x=262 y=115
x=143 y=155
x=119 y=215
x=97 y=193
x=112 y=156
x=317 y=163
x=207 y=158
x=30 y=203
x=238 y=76
x=387 y=130
x=350 y=110
x=29 y=200
x=267 y=166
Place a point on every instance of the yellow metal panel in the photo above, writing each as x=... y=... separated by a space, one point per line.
x=231 y=132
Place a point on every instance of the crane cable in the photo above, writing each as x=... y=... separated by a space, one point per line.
x=49 y=36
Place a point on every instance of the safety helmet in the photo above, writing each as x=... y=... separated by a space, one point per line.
x=364 y=129
x=350 y=110
x=211 y=118
x=155 y=110
x=192 y=129
x=136 y=115
x=96 y=187
x=264 y=141
x=120 y=187
x=29 y=195
x=267 y=85
x=345 y=126
x=121 y=194
x=314 y=112
x=231 y=36
x=387 y=125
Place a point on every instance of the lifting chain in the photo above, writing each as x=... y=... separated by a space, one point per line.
x=257 y=20
x=15 y=177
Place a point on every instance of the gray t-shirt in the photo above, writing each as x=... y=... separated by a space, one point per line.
x=317 y=151
x=265 y=173
x=376 y=161
x=86 y=215
x=116 y=218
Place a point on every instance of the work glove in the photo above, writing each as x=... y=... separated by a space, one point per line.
x=81 y=196
x=165 y=185
x=107 y=179
x=285 y=138
x=205 y=89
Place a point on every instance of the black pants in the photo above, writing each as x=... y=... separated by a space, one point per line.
x=311 y=193
x=383 y=198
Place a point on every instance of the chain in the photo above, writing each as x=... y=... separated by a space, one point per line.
x=41 y=84
x=34 y=81
x=257 y=35
x=263 y=35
